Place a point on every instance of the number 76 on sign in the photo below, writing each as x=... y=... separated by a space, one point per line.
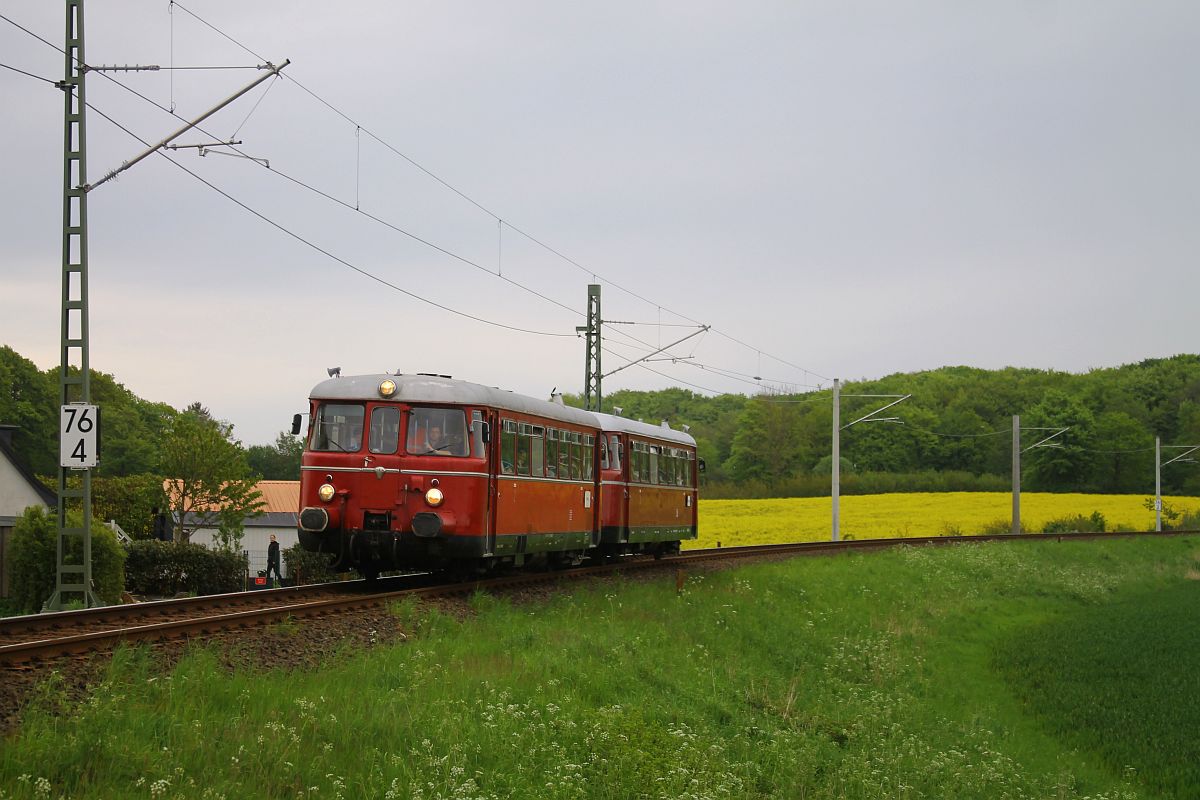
x=79 y=435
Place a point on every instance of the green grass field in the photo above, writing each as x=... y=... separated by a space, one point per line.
x=903 y=673
x=884 y=516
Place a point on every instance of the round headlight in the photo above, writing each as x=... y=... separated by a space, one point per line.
x=434 y=497
x=325 y=492
x=387 y=388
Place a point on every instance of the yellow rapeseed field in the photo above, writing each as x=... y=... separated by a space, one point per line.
x=877 y=516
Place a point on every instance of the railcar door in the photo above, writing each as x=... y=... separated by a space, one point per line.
x=490 y=447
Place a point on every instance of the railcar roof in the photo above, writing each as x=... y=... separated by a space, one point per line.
x=435 y=389
x=609 y=422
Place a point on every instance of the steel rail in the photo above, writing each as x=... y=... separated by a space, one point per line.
x=36 y=649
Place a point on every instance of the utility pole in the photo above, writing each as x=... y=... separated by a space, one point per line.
x=1016 y=461
x=79 y=420
x=1016 y=475
x=1184 y=457
x=74 y=389
x=591 y=372
x=1158 y=483
x=836 y=488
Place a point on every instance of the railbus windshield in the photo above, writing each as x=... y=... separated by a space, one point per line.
x=338 y=428
x=437 y=432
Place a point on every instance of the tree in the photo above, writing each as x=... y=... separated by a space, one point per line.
x=279 y=461
x=1067 y=465
x=208 y=479
x=767 y=445
x=1125 y=463
x=28 y=399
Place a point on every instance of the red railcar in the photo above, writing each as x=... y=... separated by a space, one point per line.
x=648 y=490
x=428 y=472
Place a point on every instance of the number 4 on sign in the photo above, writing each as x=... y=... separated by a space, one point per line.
x=79 y=429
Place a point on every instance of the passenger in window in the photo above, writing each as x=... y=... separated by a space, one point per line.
x=439 y=443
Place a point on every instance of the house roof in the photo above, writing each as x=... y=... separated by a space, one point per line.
x=279 y=496
x=282 y=499
x=48 y=497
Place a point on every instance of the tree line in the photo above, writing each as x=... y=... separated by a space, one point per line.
x=956 y=432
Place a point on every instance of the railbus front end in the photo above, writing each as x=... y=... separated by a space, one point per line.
x=425 y=472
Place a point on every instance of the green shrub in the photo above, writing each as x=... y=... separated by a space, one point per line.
x=1078 y=523
x=165 y=569
x=306 y=567
x=33 y=557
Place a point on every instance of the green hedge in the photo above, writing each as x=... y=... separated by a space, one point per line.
x=306 y=567
x=33 y=557
x=164 y=569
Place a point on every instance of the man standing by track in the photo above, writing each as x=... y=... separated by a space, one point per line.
x=273 y=560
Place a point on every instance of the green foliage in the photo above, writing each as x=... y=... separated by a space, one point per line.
x=29 y=400
x=1077 y=523
x=130 y=500
x=306 y=567
x=164 y=569
x=33 y=555
x=279 y=461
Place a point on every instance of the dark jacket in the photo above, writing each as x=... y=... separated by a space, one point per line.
x=273 y=554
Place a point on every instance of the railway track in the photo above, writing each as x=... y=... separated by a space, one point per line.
x=27 y=641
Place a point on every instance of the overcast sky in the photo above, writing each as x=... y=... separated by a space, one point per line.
x=838 y=189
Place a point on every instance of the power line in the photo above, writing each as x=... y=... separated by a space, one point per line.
x=318 y=248
x=30 y=74
x=485 y=209
x=729 y=374
x=311 y=188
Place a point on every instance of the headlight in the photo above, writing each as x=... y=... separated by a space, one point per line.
x=434 y=497
x=387 y=388
x=325 y=492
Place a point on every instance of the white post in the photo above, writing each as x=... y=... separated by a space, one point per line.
x=837 y=453
x=1016 y=475
x=1158 y=483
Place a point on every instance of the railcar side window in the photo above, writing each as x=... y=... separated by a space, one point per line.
x=576 y=458
x=564 y=454
x=538 y=461
x=338 y=428
x=589 y=457
x=551 y=452
x=437 y=432
x=603 y=452
x=524 y=438
x=508 y=448
x=385 y=430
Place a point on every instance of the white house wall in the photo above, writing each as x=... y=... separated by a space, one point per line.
x=16 y=494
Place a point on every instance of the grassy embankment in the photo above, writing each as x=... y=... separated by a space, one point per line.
x=896 y=674
x=884 y=516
